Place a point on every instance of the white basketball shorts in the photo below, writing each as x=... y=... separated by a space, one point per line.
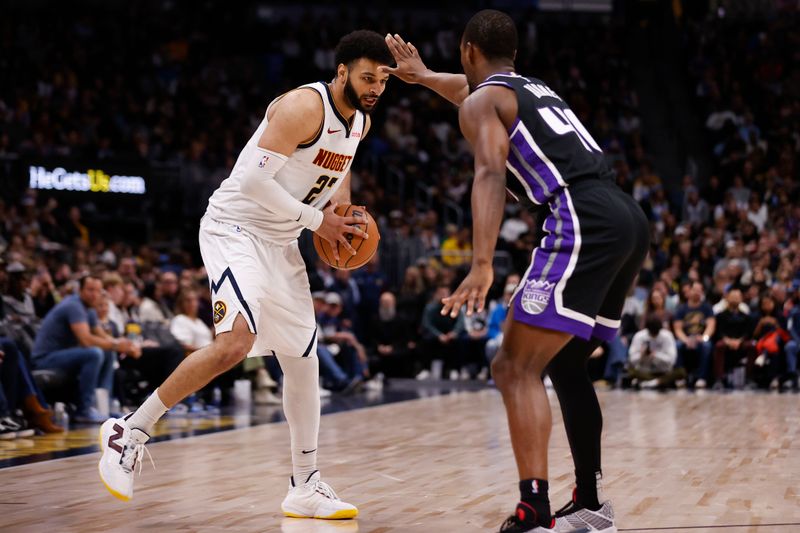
x=264 y=282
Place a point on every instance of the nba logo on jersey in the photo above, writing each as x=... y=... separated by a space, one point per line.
x=263 y=162
x=536 y=296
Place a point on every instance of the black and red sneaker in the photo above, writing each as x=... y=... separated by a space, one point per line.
x=525 y=518
x=570 y=507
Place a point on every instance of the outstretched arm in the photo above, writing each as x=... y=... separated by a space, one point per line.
x=411 y=69
x=482 y=127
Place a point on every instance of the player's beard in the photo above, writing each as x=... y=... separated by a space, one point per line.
x=354 y=100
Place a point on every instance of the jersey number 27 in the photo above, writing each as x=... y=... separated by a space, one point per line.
x=322 y=183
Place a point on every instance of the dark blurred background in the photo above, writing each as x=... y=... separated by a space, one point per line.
x=695 y=103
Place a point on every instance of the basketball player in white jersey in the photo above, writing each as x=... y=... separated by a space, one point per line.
x=296 y=163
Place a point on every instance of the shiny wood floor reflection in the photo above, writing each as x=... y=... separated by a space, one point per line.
x=444 y=464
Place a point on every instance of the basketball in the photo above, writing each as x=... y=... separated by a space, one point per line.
x=365 y=248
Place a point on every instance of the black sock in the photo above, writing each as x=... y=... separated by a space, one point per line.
x=583 y=420
x=533 y=492
x=586 y=489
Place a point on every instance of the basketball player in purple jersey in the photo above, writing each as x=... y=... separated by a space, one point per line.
x=595 y=239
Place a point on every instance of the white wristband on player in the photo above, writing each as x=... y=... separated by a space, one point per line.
x=259 y=183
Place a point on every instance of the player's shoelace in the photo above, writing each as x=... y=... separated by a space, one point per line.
x=569 y=508
x=326 y=490
x=511 y=522
x=130 y=456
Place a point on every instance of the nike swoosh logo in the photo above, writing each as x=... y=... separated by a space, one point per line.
x=309 y=451
x=333 y=131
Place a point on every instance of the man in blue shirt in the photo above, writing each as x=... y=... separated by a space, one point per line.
x=70 y=339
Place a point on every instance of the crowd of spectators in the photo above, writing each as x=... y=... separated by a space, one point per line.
x=723 y=274
x=98 y=323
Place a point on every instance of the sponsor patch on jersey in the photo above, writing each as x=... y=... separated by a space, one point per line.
x=263 y=162
x=220 y=309
x=536 y=295
x=355 y=134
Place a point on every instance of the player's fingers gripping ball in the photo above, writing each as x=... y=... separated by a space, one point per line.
x=365 y=248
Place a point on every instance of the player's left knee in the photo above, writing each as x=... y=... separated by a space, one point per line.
x=509 y=370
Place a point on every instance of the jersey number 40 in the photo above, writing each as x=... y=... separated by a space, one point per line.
x=563 y=121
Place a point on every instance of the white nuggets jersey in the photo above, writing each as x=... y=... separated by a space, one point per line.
x=312 y=174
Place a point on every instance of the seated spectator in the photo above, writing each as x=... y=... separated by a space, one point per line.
x=723 y=304
x=770 y=336
x=340 y=343
x=518 y=221
x=695 y=210
x=439 y=334
x=757 y=212
x=652 y=357
x=130 y=303
x=115 y=289
x=793 y=345
x=694 y=326
x=43 y=291
x=187 y=328
x=19 y=314
x=153 y=308
x=169 y=288
x=656 y=306
x=19 y=391
x=411 y=297
x=105 y=387
x=18 y=302
x=71 y=340
x=129 y=272
x=346 y=288
x=11 y=427
x=457 y=248
x=734 y=331
x=633 y=310
x=394 y=340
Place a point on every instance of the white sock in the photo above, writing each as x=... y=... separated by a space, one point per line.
x=302 y=409
x=146 y=416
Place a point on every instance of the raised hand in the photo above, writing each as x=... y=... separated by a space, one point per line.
x=409 y=65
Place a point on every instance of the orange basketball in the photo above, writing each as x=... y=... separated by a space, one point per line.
x=365 y=248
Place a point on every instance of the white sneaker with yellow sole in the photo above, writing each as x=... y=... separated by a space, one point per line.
x=122 y=448
x=315 y=499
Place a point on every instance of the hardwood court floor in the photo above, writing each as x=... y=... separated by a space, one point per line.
x=444 y=464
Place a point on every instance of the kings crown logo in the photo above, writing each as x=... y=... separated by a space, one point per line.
x=536 y=295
